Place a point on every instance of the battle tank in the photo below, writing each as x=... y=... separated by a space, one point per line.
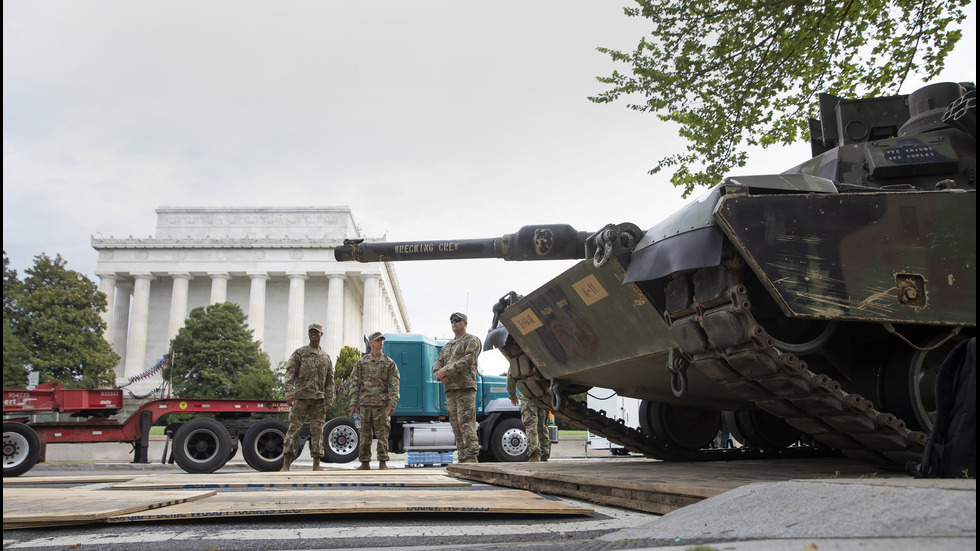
x=803 y=312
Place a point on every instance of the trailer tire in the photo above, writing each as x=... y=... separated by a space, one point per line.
x=202 y=445
x=263 y=444
x=508 y=442
x=340 y=440
x=21 y=449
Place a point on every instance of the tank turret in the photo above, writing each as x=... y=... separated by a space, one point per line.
x=799 y=312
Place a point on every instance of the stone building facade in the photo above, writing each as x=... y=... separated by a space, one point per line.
x=276 y=263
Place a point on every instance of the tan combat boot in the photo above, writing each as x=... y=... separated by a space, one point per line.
x=316 y=465
x=365 y=466
x=533 y=458
x=286 y=462
x=382 y=466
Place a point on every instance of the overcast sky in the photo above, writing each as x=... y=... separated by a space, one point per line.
x=430 y=119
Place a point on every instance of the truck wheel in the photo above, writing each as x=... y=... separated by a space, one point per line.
x=202 y=445
x=263 y=444
x=340 y=440
x=21 y=449
x=509 y=441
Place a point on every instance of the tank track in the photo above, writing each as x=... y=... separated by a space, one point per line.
x=723 y=340
x=710 y=315
x=533 y=384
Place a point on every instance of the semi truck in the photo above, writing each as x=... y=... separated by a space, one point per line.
x=209 y=432
x=420 y=422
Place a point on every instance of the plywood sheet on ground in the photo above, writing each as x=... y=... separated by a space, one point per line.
x=298 y=502
x=47 y=507
x=333 y=479
x=69 y=479
x=649 y=485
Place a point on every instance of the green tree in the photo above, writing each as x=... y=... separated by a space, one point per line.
x=15 y=358
x=15 y=354
x=737 y=73
x=214 y=356
x=56 y=316
x=342 y=368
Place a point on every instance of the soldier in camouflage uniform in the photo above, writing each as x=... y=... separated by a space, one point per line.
x=309 y=393
x=374 y=394
x=535 y=424
x=456 y=369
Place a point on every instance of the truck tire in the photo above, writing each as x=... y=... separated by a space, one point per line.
x=340 y=440
x=263 y=444
x=202 y=445
x=21 y=449
x=508 y=442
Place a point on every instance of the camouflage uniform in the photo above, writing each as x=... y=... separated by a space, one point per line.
x=374 y=387
x=535 y=423
x=309 y=379
x=458 y=359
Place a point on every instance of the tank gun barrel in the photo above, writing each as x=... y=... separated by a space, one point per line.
x=542 y=242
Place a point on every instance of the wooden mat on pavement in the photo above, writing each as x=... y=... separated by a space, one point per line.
x=298 y=502
x=398 y=478
x=47 y=507
x=69 y=479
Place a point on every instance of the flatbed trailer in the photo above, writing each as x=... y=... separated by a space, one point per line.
x=200 y=445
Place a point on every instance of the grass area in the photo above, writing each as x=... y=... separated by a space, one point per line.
x=157 y=431
x=572 y=433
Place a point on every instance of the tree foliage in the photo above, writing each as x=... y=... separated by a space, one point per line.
x=55 y=314
x=15 y=354
x=342 y=369
x=15 y=358
x=214 y=356
x=737 y=73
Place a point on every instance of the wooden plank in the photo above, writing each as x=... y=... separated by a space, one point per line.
x=649 y=485
x=69 y=479
x=335 y=479
x=46 y=507
x=298 y=502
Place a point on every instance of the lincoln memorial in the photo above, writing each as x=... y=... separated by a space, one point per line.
x=276 y=263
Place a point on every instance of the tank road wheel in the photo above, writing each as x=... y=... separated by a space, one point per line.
x=340 y=440
x=509 y=441
x=907 y=382
x=202 y=445
x=263 y=444
x=685 y=427
x=760 y=429
x=21 y=449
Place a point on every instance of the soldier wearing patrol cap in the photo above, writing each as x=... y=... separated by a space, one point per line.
x=374 y=394
x=309 y=394
x=456 y=369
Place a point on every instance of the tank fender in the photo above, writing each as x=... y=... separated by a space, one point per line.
x=691 y=238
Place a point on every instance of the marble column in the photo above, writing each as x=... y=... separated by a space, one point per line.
x=136 y=341
x=120 y=326
x=219 y=287
x=334 y=325
x=107 y=284
x=295 y=315
x=371 y=321
x=178 y=303
x=256 y=305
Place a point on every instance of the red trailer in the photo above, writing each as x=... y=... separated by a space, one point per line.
x=200 y=445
